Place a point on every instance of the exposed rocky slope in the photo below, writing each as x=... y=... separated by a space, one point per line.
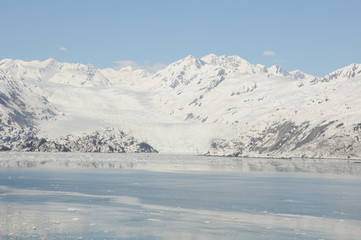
x=109 y=140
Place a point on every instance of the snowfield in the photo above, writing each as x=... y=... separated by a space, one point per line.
x=220 y=105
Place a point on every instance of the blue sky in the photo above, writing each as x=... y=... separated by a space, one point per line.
x=315 y=36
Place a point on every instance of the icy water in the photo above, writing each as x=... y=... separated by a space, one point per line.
x=114 y=204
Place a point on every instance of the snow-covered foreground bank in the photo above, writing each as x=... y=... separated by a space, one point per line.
x=115 y=204
x=163 y=162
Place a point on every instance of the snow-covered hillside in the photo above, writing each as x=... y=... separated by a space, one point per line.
x=222 y=105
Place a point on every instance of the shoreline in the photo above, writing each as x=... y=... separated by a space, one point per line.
x=190 y=154
x=177 y=163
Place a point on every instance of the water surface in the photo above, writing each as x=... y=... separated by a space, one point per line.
x=88 y=203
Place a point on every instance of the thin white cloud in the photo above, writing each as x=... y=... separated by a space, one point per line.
x=146 y=66
x=63 y=49
x=268 y=53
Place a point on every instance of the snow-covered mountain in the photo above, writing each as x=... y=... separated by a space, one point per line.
x=37 y=96
x=222 y=105
x=351 y=71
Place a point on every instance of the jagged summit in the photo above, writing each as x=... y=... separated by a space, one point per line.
x=233 y=64
x=5 y=60
x=209 y=70
x=350 y=71
x=187 y=62
x=52 y=71
x=13 y=63
x=277 y=70
x=230 y=62
x=297 y=74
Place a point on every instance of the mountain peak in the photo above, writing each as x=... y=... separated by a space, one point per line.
x=48 y=63
x=209 y=58
x=6 y=63
x=277 y=70
x=187 y=62
x=233 y=63
x=214 y=59
x=5 y=60
x=350 y=71
x=190 y=57
x=299 y=75
x=50 y=60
